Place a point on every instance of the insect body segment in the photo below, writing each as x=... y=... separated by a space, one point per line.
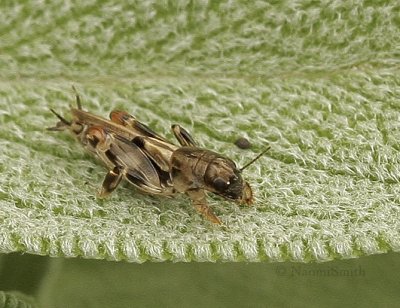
x=132 y=151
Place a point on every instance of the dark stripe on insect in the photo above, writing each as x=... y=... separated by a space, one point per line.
x=146 y=130
x=135 y=178
x=163 y=175
x=111 y=157
x=139 y=141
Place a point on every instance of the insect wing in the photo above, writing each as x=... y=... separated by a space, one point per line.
x=139 y=170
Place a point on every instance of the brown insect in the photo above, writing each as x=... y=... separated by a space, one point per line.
x=132 y=151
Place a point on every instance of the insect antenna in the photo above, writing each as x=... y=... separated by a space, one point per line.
x=61 y=118
x=78 y=98
x=254 y=159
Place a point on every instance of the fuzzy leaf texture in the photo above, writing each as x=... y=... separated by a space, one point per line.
x=16 y=300
x=318 y=82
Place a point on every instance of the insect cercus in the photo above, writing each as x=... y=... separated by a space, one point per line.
x=132 y=151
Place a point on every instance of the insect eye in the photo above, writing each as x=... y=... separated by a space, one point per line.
x=220 y=184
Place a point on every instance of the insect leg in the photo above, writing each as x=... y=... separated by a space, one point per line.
x=199 y=200
x=125 y=119
x=183 y=136
x=111 y=181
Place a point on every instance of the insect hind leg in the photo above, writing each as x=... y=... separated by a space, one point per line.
x=125 y=119
x=183 y=136
x=111 y=181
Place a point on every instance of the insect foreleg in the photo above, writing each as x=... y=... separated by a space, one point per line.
x=199 y=200
x=183 y=136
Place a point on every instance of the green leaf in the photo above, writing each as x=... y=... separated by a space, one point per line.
x=320 y=84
